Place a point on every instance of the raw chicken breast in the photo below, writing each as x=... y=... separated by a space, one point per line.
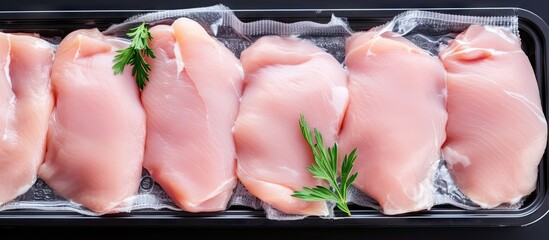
x=396 y=118
x=97 y=129
x=25 y=107
x=286 y=77
x=496 y=129
x=191 y=103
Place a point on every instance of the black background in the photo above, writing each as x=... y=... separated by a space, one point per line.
x=538 y=230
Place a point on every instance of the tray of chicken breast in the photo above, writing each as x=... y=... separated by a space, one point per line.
x=303 y=117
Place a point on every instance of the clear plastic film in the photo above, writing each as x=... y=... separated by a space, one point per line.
x=220 y=22
x=428 y=30
x=209 y=17
x=432 y=31
x=42 y=197
x=236 y=35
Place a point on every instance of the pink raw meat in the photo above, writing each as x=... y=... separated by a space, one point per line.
x=191 y=103
x=286 y=77
x=97 y=128
x=396 y=118
x=26 y=103
x=497 y=132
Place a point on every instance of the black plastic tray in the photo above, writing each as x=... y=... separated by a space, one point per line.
x=534 y=34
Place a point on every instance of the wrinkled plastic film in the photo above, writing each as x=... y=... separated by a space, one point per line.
x=221 y=23
x=41 y=197
x=431 y=30
x=336 y=26
x=328 y=36
x=428 y=30
x=242 y=197
x=447 y=192
x=237 y=36
x=207 y=16
x=354 y=195
x=442 y=23
x=274 y=214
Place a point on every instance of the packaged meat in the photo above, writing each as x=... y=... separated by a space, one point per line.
x=192 y=101
x=96 y=135
x=286 y=77
x=194 y=89
x=497 y=132
x=26 y=102
x=396 y=119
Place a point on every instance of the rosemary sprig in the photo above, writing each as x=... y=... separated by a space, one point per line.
x=325 y=167
x=134 y=55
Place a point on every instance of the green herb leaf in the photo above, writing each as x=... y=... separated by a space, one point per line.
x=134 y=55
x=325 y=167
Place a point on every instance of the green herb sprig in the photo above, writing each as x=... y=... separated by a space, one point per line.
x=325 y=167
x=134 y=55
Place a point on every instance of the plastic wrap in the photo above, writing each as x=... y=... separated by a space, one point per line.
x=431 y=32
x=428 y=30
